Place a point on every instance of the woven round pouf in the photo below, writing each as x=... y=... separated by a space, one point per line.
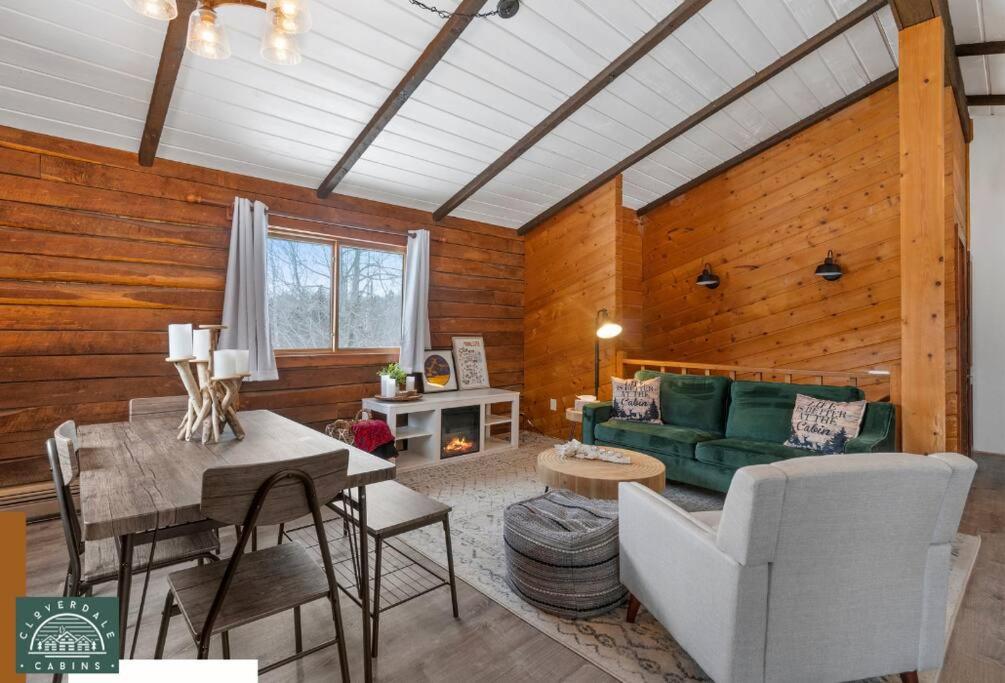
x=562 y=554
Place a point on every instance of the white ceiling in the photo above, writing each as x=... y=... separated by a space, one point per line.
x=84 y=69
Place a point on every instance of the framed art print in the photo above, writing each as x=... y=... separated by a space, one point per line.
x=472 y=369
x=438 y=371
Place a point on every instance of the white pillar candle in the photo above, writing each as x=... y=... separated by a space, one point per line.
x=240 y=361
x=224 y=364
x=410 y=383
x=388 y=387
x=200 y=344
x=179 y=341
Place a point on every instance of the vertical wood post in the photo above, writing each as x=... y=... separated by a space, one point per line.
x=923 y=236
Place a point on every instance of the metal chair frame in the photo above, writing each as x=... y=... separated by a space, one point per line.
x=246 y=536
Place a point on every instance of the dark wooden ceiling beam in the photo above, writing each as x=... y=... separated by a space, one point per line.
x=776 y=139
x=910 y=12
x=986 y=100
x=861 y=13
x=429 y=58
x=996 y=47
x=625 y=61
x=167 y=74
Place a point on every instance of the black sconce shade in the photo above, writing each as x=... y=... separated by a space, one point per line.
x=707 y=278
x=829 y=269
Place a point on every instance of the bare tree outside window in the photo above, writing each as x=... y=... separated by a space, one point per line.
x=301 y=278
x=369 y=296
x=300 y=294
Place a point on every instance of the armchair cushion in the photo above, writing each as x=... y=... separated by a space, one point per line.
x=762 y=411
x=679 y=441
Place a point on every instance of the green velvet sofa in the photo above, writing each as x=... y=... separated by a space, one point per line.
x=713 y=426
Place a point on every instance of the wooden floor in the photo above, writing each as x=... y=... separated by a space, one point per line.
x=420 y=641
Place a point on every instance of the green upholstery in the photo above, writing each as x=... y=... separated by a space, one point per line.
x=692 y=401
x=762 y=411
x=737 y=453
x=756 y=425
x=639 y=436
x=878 y=432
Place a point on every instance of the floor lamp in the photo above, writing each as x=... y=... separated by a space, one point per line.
x=606 y=329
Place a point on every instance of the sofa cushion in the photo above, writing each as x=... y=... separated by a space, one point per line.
x=737 y=453
x=694 y=401
x=762 y=411
x=667 y=439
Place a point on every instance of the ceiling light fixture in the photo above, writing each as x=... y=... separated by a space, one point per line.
x=163 y=10
x=207 y=36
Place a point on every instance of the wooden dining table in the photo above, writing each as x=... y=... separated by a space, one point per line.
x=139 y=482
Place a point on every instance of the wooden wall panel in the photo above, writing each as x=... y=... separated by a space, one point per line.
x=764 y=226
x=572 y=271
x=98 y=255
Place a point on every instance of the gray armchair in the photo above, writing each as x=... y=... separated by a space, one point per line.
x=828 y=568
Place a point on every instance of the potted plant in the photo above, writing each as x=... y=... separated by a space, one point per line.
x=395 y=373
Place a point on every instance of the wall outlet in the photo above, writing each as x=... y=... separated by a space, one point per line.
x=554 y=404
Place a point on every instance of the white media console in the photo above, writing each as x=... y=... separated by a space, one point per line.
x=421 y=422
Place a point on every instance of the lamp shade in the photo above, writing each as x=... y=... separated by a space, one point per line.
x=280 y=47
x=707 y=278
x=206 y=36
x=289 y=16
x=829 y=269
x=606 y=328
x=163 y=10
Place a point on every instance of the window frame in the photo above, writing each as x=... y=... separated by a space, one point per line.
x=335 y=243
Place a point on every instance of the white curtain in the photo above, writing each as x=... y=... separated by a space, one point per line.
x=415 y=303
x=245 y=306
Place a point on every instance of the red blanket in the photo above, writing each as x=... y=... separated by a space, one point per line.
x=370 y=435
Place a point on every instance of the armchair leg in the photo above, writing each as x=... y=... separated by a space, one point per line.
x=909 y=677
x=633 y=609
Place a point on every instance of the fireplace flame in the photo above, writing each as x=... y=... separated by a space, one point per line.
x=459 y=444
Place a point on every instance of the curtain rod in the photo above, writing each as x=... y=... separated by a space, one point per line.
x=307 y=219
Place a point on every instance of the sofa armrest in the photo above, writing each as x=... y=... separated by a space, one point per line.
x=715 y=608
x=879 y=430
x=594 y=414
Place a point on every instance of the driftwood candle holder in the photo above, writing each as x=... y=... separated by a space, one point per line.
x=213 y=401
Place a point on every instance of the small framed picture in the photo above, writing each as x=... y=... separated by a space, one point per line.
x=472 y=369
x=438 y=371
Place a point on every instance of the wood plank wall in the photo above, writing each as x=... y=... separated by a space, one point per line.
x=577 y=263
x=98 y=255
x=764 y=226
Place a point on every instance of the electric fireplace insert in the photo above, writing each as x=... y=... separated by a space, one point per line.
x=459 y=431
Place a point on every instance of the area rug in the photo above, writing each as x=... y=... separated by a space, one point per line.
x=480 y=488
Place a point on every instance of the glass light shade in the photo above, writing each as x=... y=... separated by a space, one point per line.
x=289 y=16
x=609 y=330
x=164 y=10
x=280 y=47
x=206 y=36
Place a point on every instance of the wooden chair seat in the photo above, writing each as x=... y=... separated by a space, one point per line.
x=393 y=508
x=101 y=558
x=267 y=582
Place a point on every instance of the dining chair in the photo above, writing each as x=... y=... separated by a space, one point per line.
x=96 y=562
x=216 y=598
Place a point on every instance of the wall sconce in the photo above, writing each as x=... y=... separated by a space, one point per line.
x=829 y=269
x=707 y=278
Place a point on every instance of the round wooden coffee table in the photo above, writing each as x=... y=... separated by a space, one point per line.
x=598 y=478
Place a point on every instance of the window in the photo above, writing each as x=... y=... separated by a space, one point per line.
x=333 y=295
